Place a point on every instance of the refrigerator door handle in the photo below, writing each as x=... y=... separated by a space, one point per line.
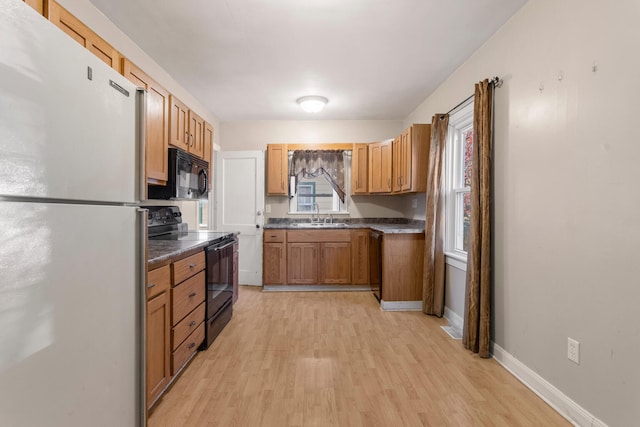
x=141 y=134
x=143 y=252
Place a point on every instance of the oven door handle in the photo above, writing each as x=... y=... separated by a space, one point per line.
x=219 y=248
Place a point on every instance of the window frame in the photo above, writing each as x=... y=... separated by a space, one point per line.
x=460 y=122
x=336 y=203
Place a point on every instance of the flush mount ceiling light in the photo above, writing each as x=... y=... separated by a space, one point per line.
x=312 y=104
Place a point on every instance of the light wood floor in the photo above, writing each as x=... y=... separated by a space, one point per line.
x=335 y=359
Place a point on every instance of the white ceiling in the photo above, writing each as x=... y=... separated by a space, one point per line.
x=251 y=59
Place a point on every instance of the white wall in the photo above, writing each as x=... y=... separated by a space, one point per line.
x=94 y=19
x=255 y=135
x=566 y=228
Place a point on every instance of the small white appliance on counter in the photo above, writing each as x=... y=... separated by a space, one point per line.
x=72 y=257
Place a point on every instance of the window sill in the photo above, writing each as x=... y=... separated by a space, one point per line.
x=456 y=260
x=314 y=213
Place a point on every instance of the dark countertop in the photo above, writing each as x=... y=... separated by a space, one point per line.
x=162 y=250
x=381 y=227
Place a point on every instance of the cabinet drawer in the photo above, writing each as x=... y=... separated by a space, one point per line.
x=158 y=281
x=187 y=296
x=274 y=236
x=186 y=349
x=187 y=326
x=187 y=267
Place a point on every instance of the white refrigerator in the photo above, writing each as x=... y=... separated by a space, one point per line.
x=72 y=234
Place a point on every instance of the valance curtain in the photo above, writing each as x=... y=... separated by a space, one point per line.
x=433 y=280
x=313 y=163
x=477 y=320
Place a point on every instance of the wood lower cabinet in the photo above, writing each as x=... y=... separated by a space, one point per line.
x=402 y=266
x=73 y=27
x=187 y=316
x=335 y=263
x=360 y=257
x=175 y=319
x=277 y=170
x=380 y=166
x=302 y=263
x=274 y=257
x=156 y=126
x=158 y=332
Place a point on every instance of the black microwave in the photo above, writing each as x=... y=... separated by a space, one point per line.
x=188 y=178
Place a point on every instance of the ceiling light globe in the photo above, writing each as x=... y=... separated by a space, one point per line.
x=312 y=104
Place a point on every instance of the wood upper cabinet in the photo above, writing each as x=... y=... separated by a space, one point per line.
x=157 y=123
x=360 y=169
x=411 y=159
x=208 y=144
x=380 y=165
x=360 y=257
x=277 y=170
x=178 y=124
x=158 y=332
x=38 y=5
x=274 y=258
x=196 y=134
x=186 y=129
x=71 y=25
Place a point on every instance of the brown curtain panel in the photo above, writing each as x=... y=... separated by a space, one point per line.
x=477 y=319
x=433 y=281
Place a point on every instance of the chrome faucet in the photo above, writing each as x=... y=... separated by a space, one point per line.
x=317 y=208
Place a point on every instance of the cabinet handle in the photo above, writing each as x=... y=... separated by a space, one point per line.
x=193 y=294
x=191 y=139
x=151 y=285
x=192 y=265
x=193 y=323
x=192 y=345
x=389 y=182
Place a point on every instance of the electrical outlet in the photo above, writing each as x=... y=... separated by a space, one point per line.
x=267 y=208
x=573 y=350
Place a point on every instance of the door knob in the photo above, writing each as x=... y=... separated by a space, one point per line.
x=257 y=225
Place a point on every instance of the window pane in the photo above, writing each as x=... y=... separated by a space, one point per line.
x=466 y=223
x=468 y=150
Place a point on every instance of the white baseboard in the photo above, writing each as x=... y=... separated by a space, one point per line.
x=453 y=318
x=401 y=305
x=316 y=288
x=566 y=407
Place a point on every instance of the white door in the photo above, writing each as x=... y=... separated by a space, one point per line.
x=239 y=204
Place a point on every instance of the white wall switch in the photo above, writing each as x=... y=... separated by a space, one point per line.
x=573 y=350
x=267 y=208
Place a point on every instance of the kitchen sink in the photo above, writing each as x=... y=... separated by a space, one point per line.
x=319 y=224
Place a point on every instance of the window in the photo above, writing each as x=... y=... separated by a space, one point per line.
x=458 y=181
x=203 y=214
x=312 y=193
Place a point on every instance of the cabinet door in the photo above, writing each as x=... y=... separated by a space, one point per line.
x=275 y=263
x=38 y=5
x=158 y=346
x=405 y=160
x=335 y=263
x=277 y=170
x=396 y=168
x=157 y=123
x=208 y=144
x=360 y=169
x=71 y=25
x=196 y=134
x=380 y=157
x=302 y=263
x=178 y=124
x=360 y=257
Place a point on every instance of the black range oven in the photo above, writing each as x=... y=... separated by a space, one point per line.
x=165 y=223
x=219 y=305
